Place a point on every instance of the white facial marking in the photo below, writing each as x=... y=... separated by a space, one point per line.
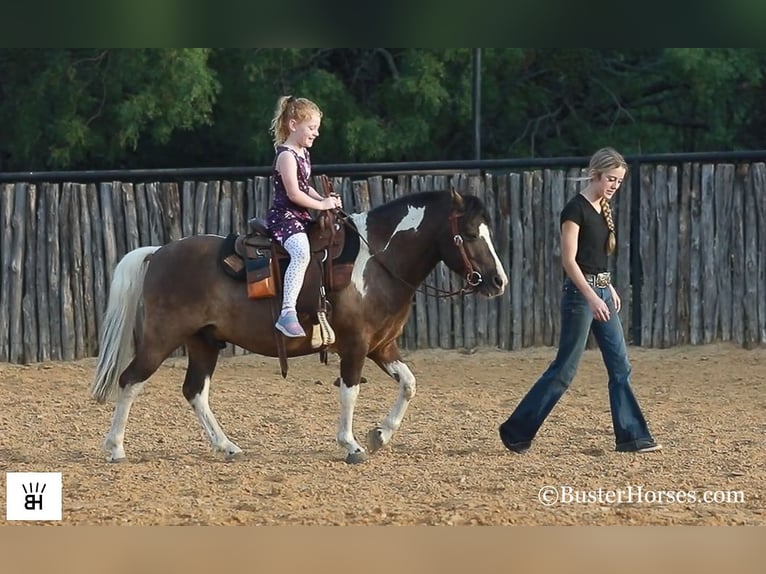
x=411 y=220
x=484 y=234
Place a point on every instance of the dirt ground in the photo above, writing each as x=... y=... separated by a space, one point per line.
x=445 y=466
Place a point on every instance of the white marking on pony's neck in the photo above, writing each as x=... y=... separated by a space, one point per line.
x=411 y=220
x=484 y=234
x=363 y=257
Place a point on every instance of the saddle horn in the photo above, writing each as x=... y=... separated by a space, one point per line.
x=327 y=186
x=457 y=200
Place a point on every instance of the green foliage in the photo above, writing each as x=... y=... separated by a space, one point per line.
x=90 y=108
x=143 y=108
x=721 y=84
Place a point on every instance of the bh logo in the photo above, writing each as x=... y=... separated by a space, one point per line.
x=33 y=496
x=33 y=500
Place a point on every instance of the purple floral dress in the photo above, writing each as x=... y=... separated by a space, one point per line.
x=285 y=218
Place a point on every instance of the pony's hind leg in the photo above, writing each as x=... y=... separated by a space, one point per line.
x=114 y=440
x=392 y=364
x=130 y=384
x=202 y=360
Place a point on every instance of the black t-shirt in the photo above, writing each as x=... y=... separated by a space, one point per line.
x=591 y=242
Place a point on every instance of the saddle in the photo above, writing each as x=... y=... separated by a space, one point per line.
x=260 y=260
x=327 y=238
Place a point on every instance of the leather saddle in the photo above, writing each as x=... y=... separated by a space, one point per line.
x=333 y=252
x=332 y=257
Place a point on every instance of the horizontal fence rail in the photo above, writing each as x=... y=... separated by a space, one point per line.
x=691 y=253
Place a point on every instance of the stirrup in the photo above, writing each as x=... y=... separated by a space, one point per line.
x=328 y=335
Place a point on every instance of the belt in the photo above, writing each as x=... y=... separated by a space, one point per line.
x=599 y=280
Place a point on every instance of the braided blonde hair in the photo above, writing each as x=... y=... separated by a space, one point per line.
x=291 y=108
x=611 y=241
x=602 y=161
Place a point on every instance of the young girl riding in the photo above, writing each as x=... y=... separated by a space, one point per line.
x=295 y=126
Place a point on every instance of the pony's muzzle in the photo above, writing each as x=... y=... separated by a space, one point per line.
x=494 y=285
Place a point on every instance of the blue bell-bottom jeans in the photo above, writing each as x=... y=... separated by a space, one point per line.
x=576 y=322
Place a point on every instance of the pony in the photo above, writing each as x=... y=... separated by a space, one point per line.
x=163 y=297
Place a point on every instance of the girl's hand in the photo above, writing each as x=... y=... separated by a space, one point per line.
x=332 y=202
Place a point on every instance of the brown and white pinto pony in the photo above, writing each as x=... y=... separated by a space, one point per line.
x=164 y=297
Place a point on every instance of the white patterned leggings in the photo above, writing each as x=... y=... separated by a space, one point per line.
x=300 y=254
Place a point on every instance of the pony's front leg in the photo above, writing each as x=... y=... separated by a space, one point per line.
x=348 y=395
x=350 y=377
x=381 y=435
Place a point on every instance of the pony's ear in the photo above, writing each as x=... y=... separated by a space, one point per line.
x=457 y=201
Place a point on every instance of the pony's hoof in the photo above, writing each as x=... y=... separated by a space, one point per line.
x=356 y=457
x=375 y=439
x=233 y=456
x=229 y=450
x=115 y=459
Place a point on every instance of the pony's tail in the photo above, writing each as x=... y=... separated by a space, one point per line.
x=117 y=342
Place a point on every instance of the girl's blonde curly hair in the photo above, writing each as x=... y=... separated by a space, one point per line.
x=291 y=108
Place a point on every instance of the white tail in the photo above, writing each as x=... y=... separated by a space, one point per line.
x=116 y=346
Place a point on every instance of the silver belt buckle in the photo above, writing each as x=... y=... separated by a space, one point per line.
x=603 y=279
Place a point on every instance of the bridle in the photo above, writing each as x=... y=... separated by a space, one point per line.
x=472 y=277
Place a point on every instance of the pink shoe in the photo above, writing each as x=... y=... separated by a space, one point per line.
x=288 y=325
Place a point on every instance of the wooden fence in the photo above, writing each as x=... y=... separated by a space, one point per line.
x=701 y=230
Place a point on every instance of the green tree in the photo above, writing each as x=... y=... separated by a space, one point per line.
x=89 y=108
x=145 y=108
x=552 y=102
x=379 y=104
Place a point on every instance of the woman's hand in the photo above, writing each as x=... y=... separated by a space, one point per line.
x=598 y=307
x=615 y=298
